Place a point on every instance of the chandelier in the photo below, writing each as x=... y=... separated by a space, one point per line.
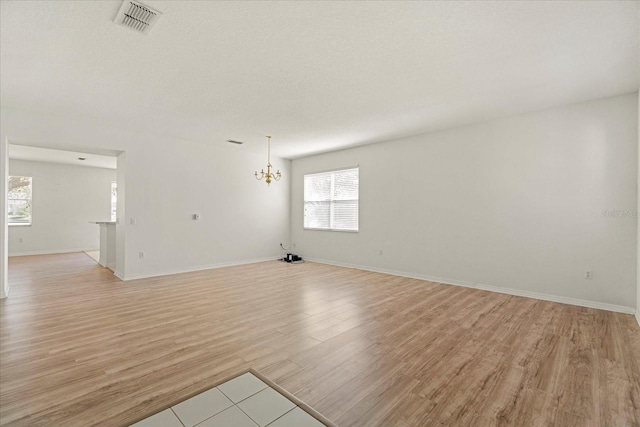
x=268 y=176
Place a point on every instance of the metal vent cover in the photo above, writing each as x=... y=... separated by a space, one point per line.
x=137 y=16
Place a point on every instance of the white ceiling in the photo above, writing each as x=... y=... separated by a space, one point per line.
x=317 y=76
x=37 y=154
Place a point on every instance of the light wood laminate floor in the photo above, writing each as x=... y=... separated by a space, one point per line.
x=78 y=347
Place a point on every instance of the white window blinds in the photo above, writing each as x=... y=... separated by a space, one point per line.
x=331 y=200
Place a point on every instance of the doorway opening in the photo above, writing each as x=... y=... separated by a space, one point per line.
x=69 y=193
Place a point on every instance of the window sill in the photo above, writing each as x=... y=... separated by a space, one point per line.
x=331 y=229
x=19 y=225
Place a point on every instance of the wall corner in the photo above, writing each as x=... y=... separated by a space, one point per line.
x=638 y=220
x=4 y=228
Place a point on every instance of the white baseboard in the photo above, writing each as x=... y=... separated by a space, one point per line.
x=5 y=295
x=558 y=298
x=50 y=252
x=498 y=289
x=192 y=269
x=638 y=315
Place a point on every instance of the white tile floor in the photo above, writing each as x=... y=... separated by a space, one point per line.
x=242 y=401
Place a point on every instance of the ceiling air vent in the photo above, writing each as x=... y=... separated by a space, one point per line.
x=137 y=16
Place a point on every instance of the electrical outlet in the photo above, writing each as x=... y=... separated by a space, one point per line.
x=141 y=255
x=380 y=252
x=196 y=217
x=132 y=221
x=588 y=274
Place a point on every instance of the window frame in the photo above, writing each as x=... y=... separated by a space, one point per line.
x=331 y=201
x=29 y=201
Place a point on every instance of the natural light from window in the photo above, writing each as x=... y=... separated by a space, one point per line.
x=114 y=200
x=19 y=200
x=331 y=200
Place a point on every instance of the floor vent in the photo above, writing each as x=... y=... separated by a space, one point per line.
x=137 y=16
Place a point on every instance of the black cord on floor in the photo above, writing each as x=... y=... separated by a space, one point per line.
x=291 y=262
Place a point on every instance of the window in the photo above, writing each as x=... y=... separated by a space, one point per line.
x=114 y=200
x=19 y=200
x=331 y=200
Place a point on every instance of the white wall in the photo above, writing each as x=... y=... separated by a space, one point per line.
x=638 y=223
x=65 y=198
x=241 y=219
x=169 y=179
x=4 y=249
x=121 y=247
x=515 y=204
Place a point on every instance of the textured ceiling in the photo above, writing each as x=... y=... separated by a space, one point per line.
x=317 y=76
